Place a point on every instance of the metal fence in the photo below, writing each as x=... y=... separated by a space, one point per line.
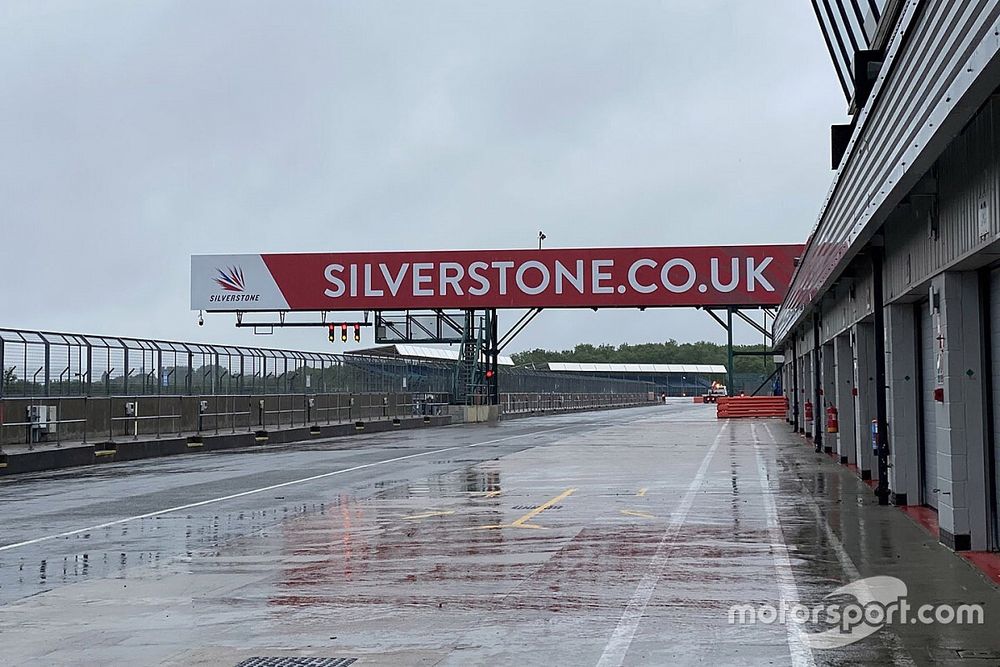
x=37 y=363
x=526 y=381
x=49 y=364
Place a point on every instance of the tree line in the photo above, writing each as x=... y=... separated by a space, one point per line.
x=669 y=352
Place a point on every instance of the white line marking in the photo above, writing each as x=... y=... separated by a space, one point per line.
x=210 y=501
x=621 y=638
x=800 y=651
x=899 y=654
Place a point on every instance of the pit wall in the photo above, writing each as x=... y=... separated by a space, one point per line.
x=106 y=419
x=537 y=404
x=40 y=458
x=82 y=435
x=530 y=405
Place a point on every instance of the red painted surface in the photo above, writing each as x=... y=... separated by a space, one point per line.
x=987 y=561
x=751 y=406
x=557 y=278
x=926 y=517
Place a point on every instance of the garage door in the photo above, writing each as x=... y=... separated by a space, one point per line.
x=995 y=353
x=928 y=376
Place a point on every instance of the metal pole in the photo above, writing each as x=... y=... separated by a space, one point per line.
x=730 y=386
x=494 y=359
x=881 y=410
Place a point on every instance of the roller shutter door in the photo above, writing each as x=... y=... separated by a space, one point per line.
x=928 y=376
x=995 y=353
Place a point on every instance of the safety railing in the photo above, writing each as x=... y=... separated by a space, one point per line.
x=527 y=403
x=108 y=419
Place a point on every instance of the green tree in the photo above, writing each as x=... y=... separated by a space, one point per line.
x=667 y=352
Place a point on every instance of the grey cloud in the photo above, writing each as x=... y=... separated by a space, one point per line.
x=137 y=133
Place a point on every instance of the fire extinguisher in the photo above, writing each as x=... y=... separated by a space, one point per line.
x=809 y=411
x=832 y=425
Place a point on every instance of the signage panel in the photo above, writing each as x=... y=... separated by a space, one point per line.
x=554 y=278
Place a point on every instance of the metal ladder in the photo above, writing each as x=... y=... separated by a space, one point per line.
x=468 y=382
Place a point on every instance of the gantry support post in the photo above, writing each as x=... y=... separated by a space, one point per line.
x=730 y=386
x=492 y=358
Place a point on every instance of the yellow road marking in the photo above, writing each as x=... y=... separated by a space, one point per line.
x=426 y=515
x=486 y=494
x=642 y=492
x=644 y=515
x=523 y=521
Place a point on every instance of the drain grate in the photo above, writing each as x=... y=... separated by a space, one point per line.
x=534 y=507
x=286 y=661
x=973 y=654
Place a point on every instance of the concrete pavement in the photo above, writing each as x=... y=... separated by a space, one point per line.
x=610 y=538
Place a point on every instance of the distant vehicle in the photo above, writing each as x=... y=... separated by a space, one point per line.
x=716 y=391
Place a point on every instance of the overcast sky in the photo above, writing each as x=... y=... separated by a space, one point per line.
x=136 y=133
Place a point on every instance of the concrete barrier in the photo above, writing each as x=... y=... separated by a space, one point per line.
x=736 y=407
x=105 y=433
x=51 y=457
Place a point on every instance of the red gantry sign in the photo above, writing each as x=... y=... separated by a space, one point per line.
x=475 y=279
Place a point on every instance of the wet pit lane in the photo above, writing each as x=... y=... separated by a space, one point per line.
x=609 y=538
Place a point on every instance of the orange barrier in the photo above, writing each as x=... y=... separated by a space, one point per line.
x=699 y=399
x=738 y=407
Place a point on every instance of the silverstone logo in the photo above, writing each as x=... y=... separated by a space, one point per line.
x=232 y=281
x=856 y=611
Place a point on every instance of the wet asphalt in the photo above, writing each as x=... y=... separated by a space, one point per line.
x=608 y=538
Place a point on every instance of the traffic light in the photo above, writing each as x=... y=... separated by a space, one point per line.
x=330 y=334
x=357 y=333
x=489 y=374
x=343 y=333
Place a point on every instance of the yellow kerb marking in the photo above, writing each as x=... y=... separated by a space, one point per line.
x=486 y=494
x=426 y=515
x=643 y=515
x=642 y=492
